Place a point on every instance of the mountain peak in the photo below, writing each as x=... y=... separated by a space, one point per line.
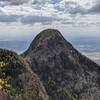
x=65 y=72
x=50 y=33
x=50 y=40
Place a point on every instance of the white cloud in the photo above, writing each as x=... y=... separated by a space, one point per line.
x=71 y=12
x=15 y=2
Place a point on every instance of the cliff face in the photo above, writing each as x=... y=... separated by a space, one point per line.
x=65 y=73
x=17 y=80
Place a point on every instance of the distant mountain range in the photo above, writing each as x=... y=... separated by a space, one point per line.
x=62 y=73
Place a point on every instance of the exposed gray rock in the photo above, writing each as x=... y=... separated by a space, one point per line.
x=66 y=73
x=24 y=83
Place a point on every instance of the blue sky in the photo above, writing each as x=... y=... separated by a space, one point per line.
x=22 y=19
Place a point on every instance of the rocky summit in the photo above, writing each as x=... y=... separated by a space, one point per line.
x=17 y=80
x=50 y=69
x=65 y=72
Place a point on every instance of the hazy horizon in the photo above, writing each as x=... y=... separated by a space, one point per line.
x=88 y=46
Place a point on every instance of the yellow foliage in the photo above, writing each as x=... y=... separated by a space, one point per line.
x=3 y=64
x=1 y=87
x=5 y=86
x=4 y=81
x=1 y=81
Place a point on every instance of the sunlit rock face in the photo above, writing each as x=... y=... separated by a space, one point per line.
x=66 y=73
x=17 y=79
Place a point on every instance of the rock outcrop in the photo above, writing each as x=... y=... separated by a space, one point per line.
x=65 y=72
x=17 y=79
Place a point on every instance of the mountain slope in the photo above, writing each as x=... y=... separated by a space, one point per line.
x=17 y=80
x=66 y=73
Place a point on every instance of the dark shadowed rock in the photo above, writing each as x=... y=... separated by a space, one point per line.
x=17 y=79
x=66 y=73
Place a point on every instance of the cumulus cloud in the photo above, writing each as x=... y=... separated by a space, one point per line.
x=15 y=2
x=29 y=14
x=71 y=7
x=49 y=11
x=19 y=2
x=38 y=19
x=96 y=8
x=8 y=18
